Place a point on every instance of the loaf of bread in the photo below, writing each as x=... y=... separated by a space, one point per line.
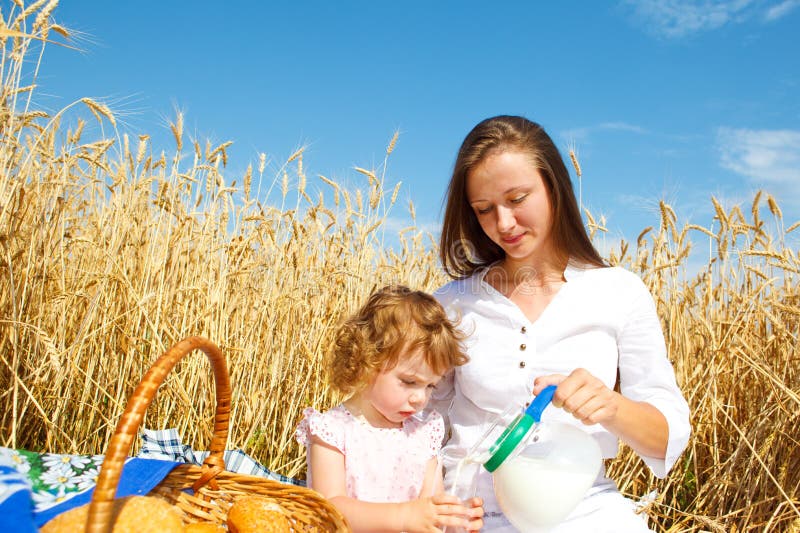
x=133 y=514
x=257 y=514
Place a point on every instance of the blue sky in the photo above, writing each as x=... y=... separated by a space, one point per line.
x=674 y=99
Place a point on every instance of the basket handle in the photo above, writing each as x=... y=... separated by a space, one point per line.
x=102 y=503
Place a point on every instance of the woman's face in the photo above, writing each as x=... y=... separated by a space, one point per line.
x=510 y=199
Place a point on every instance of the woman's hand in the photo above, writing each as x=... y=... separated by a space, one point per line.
x=582 y=395
x=434 y=513
x=640 y=425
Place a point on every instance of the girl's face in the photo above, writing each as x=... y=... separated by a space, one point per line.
x=510 y=199
x=397 y=393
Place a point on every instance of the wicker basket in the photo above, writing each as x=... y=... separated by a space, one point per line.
x=214 y=489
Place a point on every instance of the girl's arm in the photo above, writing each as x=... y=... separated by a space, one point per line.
x=433 y=483
x=428 y=513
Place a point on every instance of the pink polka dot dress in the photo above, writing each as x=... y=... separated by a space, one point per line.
x=384 y=465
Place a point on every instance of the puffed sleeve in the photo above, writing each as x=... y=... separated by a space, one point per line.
x=321 y=425
x=646 y=375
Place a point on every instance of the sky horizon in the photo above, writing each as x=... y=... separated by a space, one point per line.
x=670 y=100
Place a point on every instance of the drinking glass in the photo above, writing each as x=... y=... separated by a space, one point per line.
x=461 y=480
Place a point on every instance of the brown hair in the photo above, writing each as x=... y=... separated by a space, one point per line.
x=464 y=247
x=394 y=319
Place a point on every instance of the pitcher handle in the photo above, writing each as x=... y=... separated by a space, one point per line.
x=541 y=401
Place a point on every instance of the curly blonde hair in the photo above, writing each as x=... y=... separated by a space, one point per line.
x=394 y=318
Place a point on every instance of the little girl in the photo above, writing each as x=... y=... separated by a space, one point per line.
x=375 y=455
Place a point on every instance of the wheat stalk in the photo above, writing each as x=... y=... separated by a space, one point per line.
x=106 y=263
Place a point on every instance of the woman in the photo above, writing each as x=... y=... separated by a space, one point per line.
x=542 y=308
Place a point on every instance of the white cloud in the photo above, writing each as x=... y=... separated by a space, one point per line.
x=581 y=134
x=679 y=18
x=621 y=126
x=778 y=11
x=575 y=134
x=765 y=156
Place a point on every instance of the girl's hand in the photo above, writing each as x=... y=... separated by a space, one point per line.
x=433 y=513
x=582 y=395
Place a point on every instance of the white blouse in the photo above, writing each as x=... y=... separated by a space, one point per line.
x=602 y=319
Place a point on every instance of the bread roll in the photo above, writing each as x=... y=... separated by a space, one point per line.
x=258 y=514
x=134 y=514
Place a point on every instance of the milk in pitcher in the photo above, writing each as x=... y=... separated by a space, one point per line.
x=547 y=492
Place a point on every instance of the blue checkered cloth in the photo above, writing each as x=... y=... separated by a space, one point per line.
x=166 y=444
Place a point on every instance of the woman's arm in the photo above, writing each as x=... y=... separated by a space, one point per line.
x=649 y=413
x=428 y=513
x=640 y=425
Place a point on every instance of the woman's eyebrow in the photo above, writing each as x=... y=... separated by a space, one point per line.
x=507 y=191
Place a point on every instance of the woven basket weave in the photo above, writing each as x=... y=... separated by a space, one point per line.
x=201 y=493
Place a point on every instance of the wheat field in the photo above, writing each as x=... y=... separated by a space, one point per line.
x=112 y=250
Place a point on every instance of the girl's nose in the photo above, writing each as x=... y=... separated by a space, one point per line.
x=505 y=219
x=417 y=398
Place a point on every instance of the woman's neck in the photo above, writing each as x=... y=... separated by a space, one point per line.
x=535 y=273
